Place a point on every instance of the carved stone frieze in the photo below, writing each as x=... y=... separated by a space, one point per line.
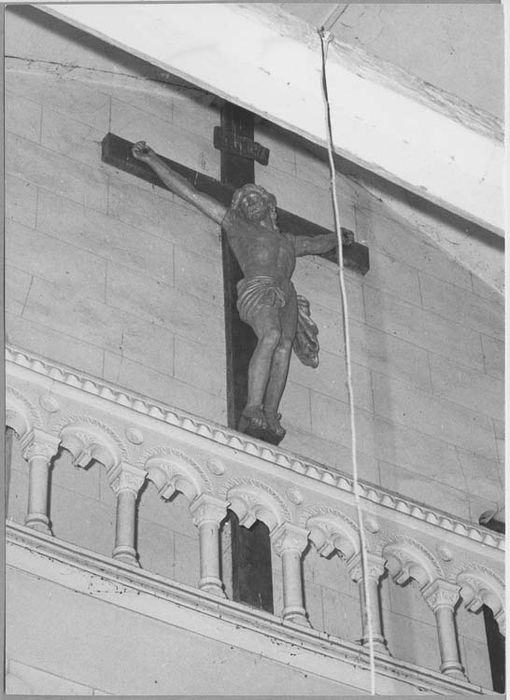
x=216 y=466
x=444 y=552
x=272 y=483
x=134 y=436
x=371 y=525
x=295 y=496
x=49 y=403
x=223 y=436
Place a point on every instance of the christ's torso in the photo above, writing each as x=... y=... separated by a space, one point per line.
x=260 y=250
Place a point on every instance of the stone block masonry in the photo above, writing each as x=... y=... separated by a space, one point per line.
x=137 y=296
x=123 y=281
x=128 y=282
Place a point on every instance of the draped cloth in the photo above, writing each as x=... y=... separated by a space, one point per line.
x=259 y=291
x=306 y=344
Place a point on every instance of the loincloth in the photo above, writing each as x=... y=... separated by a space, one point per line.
x=306 y=344
x=257 y=292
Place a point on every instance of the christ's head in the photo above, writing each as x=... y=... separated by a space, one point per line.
x=254 y=203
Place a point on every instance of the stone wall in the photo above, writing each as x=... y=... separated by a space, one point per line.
x=107 y=649
x=123 y=281
x=104 y=272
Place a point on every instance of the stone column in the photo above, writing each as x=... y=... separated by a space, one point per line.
x=441 y=597
x=375 y=569
x=207 y=513
x=39 y=448
x=126 y=482
x=289 y=542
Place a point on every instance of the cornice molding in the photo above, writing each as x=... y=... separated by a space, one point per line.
x=287 y=461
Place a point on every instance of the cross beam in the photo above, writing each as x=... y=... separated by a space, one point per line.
x=116 y=151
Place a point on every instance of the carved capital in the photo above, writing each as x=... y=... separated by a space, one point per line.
x=208 y=509
x=288 y=537
x=441 y=593
x=375 y=567
x=37 y=443
x=126 y=478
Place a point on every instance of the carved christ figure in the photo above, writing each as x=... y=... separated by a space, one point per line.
x=267 y=300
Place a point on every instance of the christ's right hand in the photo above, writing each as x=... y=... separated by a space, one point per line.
x=177 y=183
x=142 y=152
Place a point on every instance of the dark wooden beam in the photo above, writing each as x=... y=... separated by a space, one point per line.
x=116 y=151
x=241 y=341
x=252 y=578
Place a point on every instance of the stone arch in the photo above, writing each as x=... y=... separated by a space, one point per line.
x=88 y=439
x=171 y=470
x=252 y=500
x=20 y=414
x=481 y=586
x=408 y=559
x=331 y=531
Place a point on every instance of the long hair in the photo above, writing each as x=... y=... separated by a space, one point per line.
x=267 y=196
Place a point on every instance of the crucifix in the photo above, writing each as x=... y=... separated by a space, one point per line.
x=264 y=316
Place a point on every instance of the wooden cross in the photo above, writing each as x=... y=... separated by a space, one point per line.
x=251 y=549
x=236 y=170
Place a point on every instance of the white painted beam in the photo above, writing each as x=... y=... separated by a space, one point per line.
x=267 y=61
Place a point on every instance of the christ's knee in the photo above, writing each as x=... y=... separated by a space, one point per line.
x=270 y=339
x=284 y=345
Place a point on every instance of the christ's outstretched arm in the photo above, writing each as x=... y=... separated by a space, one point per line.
x=178 y=184
x=317 y=245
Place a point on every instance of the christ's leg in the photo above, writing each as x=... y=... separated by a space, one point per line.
x=280 y=366
x=266 y=324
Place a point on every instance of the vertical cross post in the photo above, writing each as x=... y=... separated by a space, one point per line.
x=236 y=171
x=251 y=549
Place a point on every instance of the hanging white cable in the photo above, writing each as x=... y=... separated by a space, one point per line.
x=325 y=38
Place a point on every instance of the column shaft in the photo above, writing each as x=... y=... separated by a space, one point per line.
x=293 y=608
x=289 y=542
x=450 y=662
x=375 y=615
x=210 y=581
x=38 y=484
x=207 y=513
x=441 y=597
x=125 y=527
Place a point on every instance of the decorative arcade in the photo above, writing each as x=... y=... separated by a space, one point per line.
x=302 y=503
